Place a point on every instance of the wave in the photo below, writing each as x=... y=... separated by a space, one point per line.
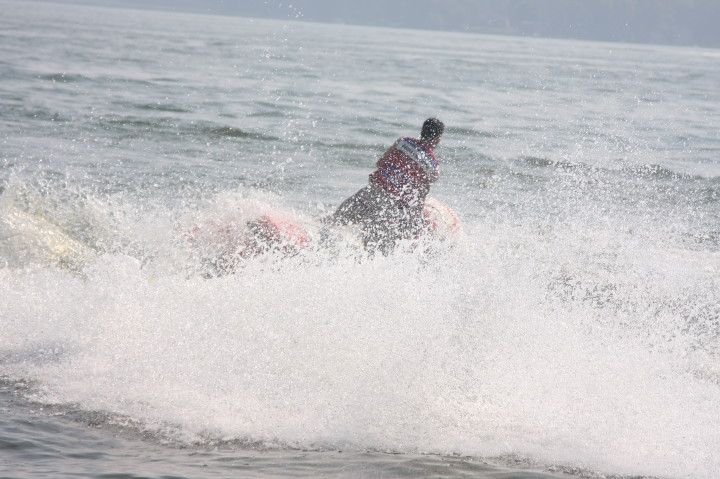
x=640 y=171
x=647 y=171
x=63 y=77
x=141 y=126
x=161 y=107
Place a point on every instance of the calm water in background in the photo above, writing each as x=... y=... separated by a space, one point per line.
x=574 y=329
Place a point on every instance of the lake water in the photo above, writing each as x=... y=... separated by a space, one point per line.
x=573 y=329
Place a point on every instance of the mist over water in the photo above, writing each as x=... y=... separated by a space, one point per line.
x=574 y=324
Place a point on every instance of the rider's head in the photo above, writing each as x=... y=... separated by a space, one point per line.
x=432 y=131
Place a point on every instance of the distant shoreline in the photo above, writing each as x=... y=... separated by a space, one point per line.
x=670 y=23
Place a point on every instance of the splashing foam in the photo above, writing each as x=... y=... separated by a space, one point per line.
x=521 y=342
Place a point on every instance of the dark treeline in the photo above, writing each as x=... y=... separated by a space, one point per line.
x=674 y=22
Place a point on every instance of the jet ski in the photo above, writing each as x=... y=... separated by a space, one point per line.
x=225 y=246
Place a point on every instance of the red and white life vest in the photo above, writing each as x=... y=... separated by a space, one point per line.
x=406 y=170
